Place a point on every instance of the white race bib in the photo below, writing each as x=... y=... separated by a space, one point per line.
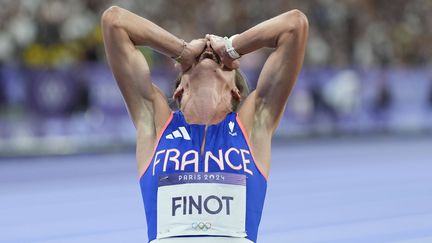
x=201 y=204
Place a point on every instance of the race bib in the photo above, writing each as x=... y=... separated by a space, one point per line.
x=201 y=204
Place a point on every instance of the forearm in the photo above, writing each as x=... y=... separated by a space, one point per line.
x=142 y=31
x=271 y=33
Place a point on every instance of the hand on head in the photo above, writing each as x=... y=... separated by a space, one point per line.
x=218 y=45
x=193 y=50
x=197 y=46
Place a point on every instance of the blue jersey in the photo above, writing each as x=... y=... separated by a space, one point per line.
x=203 y=181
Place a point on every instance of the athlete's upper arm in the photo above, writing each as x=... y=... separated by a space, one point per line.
x=131 y=71
x=279 y=73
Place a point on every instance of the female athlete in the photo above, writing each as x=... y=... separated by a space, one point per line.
x=203 y=169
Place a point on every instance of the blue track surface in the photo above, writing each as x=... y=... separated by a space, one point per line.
x=319 y=191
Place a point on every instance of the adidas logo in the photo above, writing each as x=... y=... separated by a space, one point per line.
x=181 y=132
x=231 y=128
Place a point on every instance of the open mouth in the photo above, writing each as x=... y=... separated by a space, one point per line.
x=209 y=54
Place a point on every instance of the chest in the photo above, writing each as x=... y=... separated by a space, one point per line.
x=200 y=148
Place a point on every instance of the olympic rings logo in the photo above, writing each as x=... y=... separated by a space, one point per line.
x=201 y=226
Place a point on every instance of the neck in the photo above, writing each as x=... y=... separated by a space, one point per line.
x=206 y=98
x=207 y=106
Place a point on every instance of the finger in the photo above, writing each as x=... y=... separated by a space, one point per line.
x=231 y=64
x=200 y=41
x=212 y=44
x=235 y=64
x=210 y=38
x=215 y=36
x=203 y=43
x=200 y=45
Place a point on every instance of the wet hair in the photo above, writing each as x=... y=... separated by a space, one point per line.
x=240 y=82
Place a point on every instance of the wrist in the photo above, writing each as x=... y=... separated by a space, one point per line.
x=187 y=58
x=230 y=51
x=180 y=52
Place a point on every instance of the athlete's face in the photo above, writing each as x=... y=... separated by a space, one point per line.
x=209 y=59
x=208 y=72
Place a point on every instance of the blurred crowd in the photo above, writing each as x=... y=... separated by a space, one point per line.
x=342 y=32
x=367 y=67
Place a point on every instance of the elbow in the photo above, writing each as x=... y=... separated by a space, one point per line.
x=295 y=25
x=298 y=22
x=111 y=18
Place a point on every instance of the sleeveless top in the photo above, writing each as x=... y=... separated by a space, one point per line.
x=203 y=181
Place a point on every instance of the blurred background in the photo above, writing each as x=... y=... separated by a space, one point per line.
x=366 y=83
x=367 y=68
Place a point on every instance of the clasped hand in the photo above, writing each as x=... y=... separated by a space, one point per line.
x=194 y=49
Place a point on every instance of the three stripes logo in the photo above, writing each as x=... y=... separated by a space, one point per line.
x=181 y=132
